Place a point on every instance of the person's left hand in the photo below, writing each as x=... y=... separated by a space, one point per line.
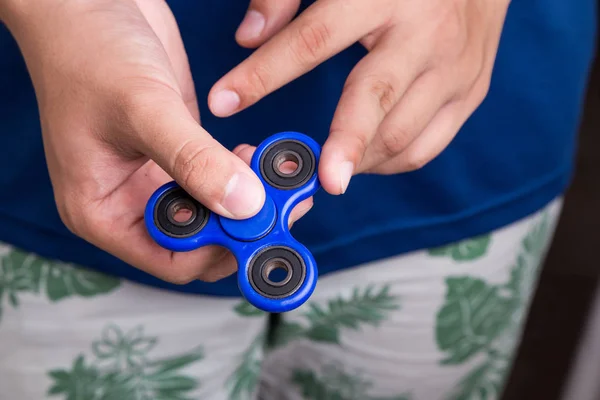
x=428 y=68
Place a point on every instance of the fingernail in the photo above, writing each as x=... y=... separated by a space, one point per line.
x=244 y=196
x=346 y=170
x=252 y=25
x=225 y=102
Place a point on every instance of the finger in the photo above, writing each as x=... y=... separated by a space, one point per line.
x=321 y=31
x=164 y=130
x=226 y=264
x=300 y=211
x=163 y=23
x=212 y=263
x=443 y=127
x=372 y=89
x=407 y=120
x=218 y=263
x=263 y=19
x=222 y=265
x=447 y=122
x=245 y=152
x=116 y=224
x=436 y=136
x=208 y=264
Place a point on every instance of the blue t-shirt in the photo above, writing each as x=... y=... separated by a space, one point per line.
x=513 y=156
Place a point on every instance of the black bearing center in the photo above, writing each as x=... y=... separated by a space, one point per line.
x=287 y=151
x=168 y=209
x=270 y=259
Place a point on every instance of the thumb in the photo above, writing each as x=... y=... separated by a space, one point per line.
x=167 y=133
x=264 y=19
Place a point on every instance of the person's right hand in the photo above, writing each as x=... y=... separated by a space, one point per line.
x=119 y=118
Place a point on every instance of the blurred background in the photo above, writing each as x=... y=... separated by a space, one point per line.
x=559 y=357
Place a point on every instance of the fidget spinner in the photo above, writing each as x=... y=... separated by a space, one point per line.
x=276 y=273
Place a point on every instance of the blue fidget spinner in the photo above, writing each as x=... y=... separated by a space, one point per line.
x=262 y=245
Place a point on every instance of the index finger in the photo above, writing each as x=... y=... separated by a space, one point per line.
x=321 y=31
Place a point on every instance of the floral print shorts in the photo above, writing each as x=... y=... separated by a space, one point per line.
x=436 y=324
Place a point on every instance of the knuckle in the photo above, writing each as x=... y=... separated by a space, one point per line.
x=385 y=169
x=258 y=83
x=310 y=42
x=392 y=141
x=193 y=165
x=384 y=92
x=179 y=276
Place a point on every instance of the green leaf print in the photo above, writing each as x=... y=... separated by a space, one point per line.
x=82 y=382
x=164 y=381
x=243 y=381
x=536 y=239
x=22 y=272
x=15 y=277
x=123 y=369
x=466 y=250
x=335 y=384
x=324 y=323
x=368 y=307
x=473 y=316
x=517 y=279
x=484 y=382
x=311 y=387
x=286 y=332
x=60 y=281
x=172 y=364
x=479 y=317
x=245 y=309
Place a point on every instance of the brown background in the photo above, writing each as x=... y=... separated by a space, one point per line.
x=570 y=276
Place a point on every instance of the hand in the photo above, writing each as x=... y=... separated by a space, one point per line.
x=428 y=69
x=119 y=118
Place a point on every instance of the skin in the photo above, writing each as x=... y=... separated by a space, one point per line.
x=120 y=117
x=428 y=68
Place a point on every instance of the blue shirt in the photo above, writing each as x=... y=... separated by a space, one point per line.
x=513 y=156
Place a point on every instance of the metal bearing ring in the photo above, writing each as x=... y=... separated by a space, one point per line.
x=287 y=151
x=172 y=203
x=270 y=259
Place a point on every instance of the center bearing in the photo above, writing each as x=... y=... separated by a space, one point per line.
x=270 y=259
x=252 y=228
